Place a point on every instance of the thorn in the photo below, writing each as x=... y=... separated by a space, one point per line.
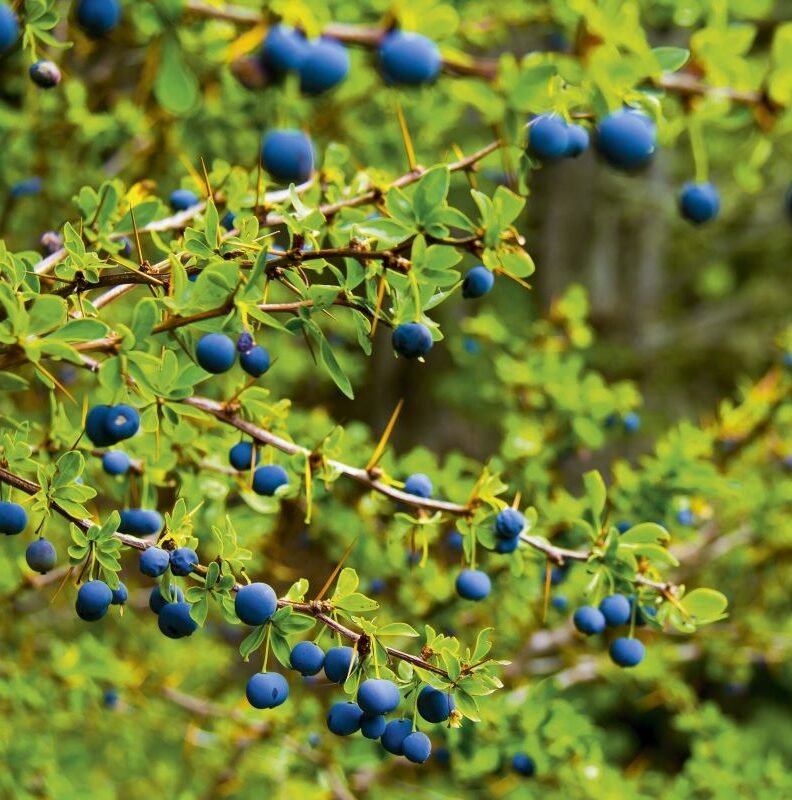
x=209 y=194
x=380 y=448
x=337 y=569
x=56 y=382
x=516 y=501
x=137 y=235
x=408 y=146
x=547 y=581
x=378 y=307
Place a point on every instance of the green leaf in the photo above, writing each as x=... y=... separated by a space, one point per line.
x=431 y=191
x=252 y=642
x=670 y=59
x=356 y=602
x=397 y=629
x=596 y=493
x=347 y=582
x=175 y=87
x=705 y=605
x=645 y=533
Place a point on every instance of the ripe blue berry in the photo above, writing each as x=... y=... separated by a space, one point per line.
x=339 y=662
x=241 y=455
x=396 y=731
x=307 y=658
x=626 y=139
x=122 y=422
x=627 y=652
x=154 y=561
x=182 y=199
x=175 y=620
x=548 y=138
x=93 y=600
x=267 y=690
x=685 y=516
x=344 y=718
x=116 y=462
x=120 y=595
x=256 y=603
x=228 y=220
x=288 y=156
x=13 y=518
x=283 y=49
x=631 y=422
x=477 y=282
x=434 y=705
x=98 y=17
x=623 y=526
x=378 y=696
x=9 y=27
x=41 y=556
x=419 y=484
x=523 y=764
x=268 y=479
x=578 y=141
x=509 y=523
x=505 y=546
x=372 y=727
x=412 y=340
x=324 y=65
x=473 y=584
x=699 y=202
x=183 y=560
x=95 y=428
x=45 y=74
x=140 y=522
x=455 y=541
x=157 y=602
x=616 y=610
x=255 y=361
x=409 y=58
x=110 y=698
x=559 y=603
x=215 y=353
x=589 y=620
x=245 y=342
x=417 y=747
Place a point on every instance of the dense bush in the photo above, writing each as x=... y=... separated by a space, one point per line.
x=295 y=372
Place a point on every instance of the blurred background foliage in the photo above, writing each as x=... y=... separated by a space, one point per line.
x=628 y=302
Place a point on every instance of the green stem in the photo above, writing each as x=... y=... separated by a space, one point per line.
x=699 y=149
x=267 y=646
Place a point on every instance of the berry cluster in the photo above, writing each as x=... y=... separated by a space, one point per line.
x=614 y=611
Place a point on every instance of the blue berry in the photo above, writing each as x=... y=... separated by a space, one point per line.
x=182 y=561
x=616 y=610
x=478 y=281
x=417 y=747
x=523 y=764
x=241 y=455
x=45 y=74
x=256 y=603
x=378 y=696
x=41 y=556
x=344 y=718
x=268 y=479
x=110 y=698
x=307 y=658
x=627 y=652
x=9 y=27
x=13 y=518
x=473 y=584
x=267 y=690
x=685 y=516
x=419 y=485
x=120 y=595
x=182 y=199
x=93 y=600
x=98 y=17
x=578 y=141
x=95 y=428
x=140 y=522
x=548 y=139
x=589 y=620
x=154 y=561
x=506 y=546
x=409 y=59
x=228 y=220
x=283 y=49
x=26 y=187
x=412 y=340
x=509 y=523
x=396 y=731
x=631 y=422
x=288 y=156
x=116 y=462
x=559 y=603
x=699 y=202
x=325 y=64
x=215 y=353
x=339 y=662
x=626 y=139
x=434 y=705
x=157 y=602
x=175 y=621
x=377 y=586
x=245 y=342
x=623 y=526
x=255 y=361
x=122 y=422
x=455 y=541
x=372 y=727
